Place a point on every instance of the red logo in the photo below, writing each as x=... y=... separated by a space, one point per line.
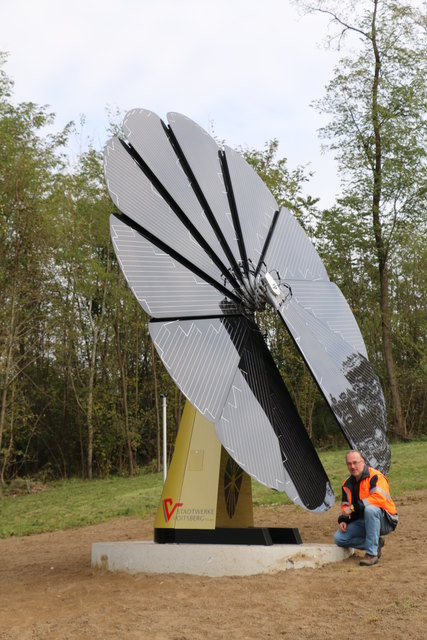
x=167 y=511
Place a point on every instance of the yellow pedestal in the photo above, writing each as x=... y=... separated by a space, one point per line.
x=204 y=488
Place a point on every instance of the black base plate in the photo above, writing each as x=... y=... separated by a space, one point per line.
x=249 y=535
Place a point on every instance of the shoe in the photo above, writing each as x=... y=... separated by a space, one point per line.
x=380 y=547
x=368 y=561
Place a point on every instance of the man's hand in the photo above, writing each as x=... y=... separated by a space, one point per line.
x=346 y=511
x=342 y=527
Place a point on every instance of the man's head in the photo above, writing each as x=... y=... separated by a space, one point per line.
x=355 y=463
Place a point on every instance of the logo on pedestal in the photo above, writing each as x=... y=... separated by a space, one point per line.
x=167 y=510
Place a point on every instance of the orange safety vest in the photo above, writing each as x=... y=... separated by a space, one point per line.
x=373 y=489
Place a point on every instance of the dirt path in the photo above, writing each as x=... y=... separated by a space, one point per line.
x=49 y=591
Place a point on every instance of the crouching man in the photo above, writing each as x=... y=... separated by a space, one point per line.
x=367 y=510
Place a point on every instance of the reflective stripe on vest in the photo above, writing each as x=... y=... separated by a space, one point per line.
x=379 y=490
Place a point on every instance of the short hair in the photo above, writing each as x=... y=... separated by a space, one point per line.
x=354 y=451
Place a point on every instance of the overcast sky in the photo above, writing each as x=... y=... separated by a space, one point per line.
x=252 y=67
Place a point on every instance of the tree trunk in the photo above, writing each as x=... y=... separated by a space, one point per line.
x=96 y=328
x=7 y=368
x=398 y=417
x=9 y=449
x=399 y=420
x=90 y=405
x=121 y=361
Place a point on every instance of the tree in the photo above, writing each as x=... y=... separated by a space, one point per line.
x=376 y=101
x=90 y=254
x=29 y=162
x=285 y=184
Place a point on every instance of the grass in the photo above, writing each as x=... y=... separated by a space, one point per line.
x=76 y=503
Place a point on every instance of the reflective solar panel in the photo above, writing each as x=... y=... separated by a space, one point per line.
x=202 y=157
x=205 y=250
x=254 y=206
x=291 y=253
x=135 y=195
x=164 y=287
x=147 y=135
x=347 y=381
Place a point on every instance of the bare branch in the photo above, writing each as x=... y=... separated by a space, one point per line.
x=335 y=18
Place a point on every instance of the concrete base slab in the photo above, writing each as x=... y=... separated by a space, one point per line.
x=214 y=560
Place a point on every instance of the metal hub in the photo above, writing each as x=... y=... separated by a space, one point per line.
x=259 y=290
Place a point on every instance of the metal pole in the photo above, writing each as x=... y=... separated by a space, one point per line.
x=164 y=396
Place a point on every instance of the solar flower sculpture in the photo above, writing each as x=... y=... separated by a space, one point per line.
x=205 y=249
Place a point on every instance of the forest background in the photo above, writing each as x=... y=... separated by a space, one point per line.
x=80 y=382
